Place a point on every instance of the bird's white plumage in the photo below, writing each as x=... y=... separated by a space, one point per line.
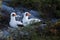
x=27 y=21
x=13 y=23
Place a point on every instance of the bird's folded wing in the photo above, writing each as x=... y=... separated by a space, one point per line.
x=18 y=22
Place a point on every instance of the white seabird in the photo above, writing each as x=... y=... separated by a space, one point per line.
x=27 y=21
x=13 y=23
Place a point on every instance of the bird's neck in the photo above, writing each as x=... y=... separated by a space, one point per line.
x=26 y=17
x=12 y=19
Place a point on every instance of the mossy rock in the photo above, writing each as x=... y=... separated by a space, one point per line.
x=55 y=29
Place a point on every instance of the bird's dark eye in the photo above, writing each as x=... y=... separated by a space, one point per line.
x=13 y=15
x=26 y=14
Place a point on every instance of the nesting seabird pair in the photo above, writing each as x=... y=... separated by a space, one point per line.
x=25 y=20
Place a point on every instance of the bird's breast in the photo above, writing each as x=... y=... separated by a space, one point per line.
x=13 y=24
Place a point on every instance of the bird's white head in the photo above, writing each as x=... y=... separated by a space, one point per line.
x=13 y=14
x=27 y=14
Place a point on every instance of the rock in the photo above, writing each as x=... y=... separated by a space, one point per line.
x=54 y=20
x=40 y=29
x=24 y=33
x=11 y=29
x=6 y=33
x=1 y=34
x=43 y=26
x=2 y=26
x=7 y=8
x=4 y=17
x=35 y=13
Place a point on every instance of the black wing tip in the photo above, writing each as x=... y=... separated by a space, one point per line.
x=21 y=25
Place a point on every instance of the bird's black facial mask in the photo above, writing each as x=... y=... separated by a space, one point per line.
x=28 y=14
x=13 y=14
